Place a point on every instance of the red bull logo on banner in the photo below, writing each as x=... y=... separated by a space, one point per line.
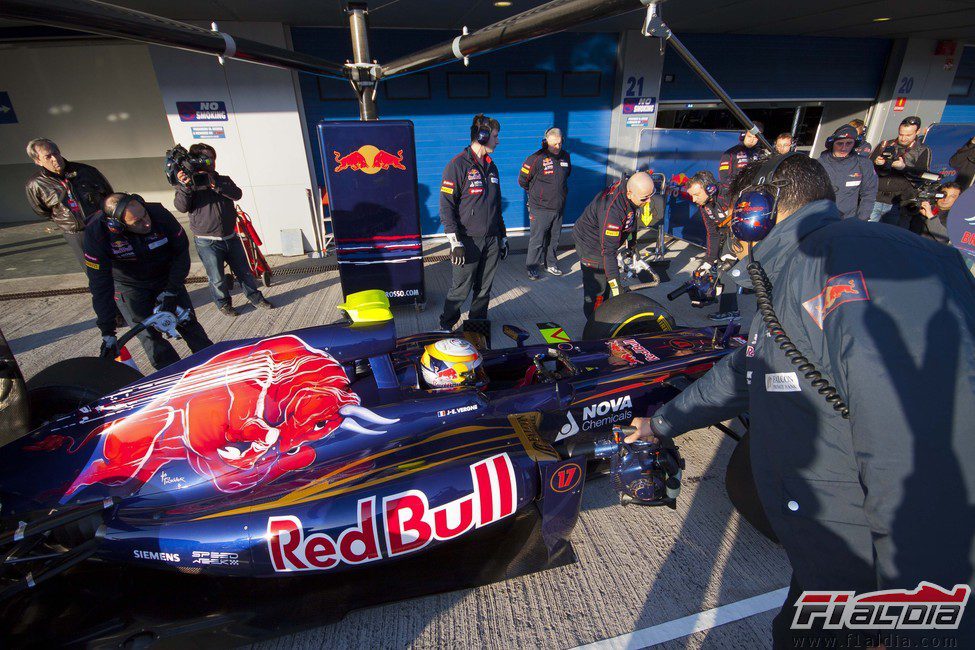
x=369 y=159
x=246 y=416
x=408 y=523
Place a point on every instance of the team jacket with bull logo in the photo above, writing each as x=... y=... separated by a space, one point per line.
x=158 y=260
x=854 y=183
x=470 y=197
x=546 y=177
x=733 y=160
x=603 y=227
x=883 y=499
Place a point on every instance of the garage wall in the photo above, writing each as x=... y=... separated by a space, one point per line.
x=960 y=108
x=99 y=102
x=263 y=146
x=570 y=78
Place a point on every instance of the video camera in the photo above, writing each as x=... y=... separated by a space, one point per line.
x=927 y=187
x=197 y=167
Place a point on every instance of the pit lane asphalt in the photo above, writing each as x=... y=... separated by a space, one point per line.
x=637 y=567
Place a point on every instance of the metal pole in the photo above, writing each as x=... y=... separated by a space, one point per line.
x=656 y=27
x=109 y=20
x=796 y=119
x=365 y=84
x=549 y=18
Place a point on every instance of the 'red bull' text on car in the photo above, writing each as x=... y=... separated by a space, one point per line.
x=322 y=450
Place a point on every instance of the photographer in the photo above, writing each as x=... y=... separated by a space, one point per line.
x=934 y=225
x=854 y=181
x=209 y=199
x=894 y=161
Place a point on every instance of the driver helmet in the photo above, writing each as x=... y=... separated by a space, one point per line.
x=451 y=363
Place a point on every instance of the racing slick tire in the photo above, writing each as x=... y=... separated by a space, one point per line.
x=629 y=313
x=72 y=383
x=740 y=484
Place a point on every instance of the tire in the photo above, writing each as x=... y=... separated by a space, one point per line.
x=740 y=484
x=629 y=313
x=70 y=384
x=266 y=278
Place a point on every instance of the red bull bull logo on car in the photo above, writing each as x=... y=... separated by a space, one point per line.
x=369 y=160
x=408 y=523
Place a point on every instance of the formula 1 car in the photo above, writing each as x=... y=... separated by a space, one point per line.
x=321 y=451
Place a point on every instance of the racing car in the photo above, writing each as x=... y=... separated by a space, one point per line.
x=321 y=450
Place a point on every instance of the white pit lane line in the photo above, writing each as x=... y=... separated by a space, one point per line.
x=681 y=627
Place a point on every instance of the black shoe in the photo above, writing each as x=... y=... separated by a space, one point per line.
x=553 y=270
x=724 y=316
x=263 y=303
x=227 y=309
x=533 y=274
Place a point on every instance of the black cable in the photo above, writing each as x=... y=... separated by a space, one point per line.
x=760 y=284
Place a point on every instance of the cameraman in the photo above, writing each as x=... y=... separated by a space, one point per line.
x=894 y=161
x=212 y=221
x=934 y=226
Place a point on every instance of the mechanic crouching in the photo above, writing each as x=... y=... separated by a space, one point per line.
x=867 y=476
x=137 y=257
x=606 y=224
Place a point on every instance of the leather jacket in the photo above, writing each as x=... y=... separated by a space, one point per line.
x=68 y=200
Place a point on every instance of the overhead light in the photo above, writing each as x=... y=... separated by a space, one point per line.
x=502 y=3
x=881 y=20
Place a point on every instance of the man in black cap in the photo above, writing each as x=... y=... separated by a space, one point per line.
x=853 y=178
x=894 y=160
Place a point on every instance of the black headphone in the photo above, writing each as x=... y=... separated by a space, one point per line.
x=706 y=180
x=545 y=135
x=480 y=130
x=857 y=141
x=113 y=220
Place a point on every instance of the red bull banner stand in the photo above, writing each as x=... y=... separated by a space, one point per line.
x=370 y=175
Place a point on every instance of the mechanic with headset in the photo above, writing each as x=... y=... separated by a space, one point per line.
x=470 y=210
x=861 y=451
x=545 y=175
x=137 y=257
x=853 y=178
x=716 y=215
x=213 y=220
x=606 y=224
x=894 y=160
x=739 y=156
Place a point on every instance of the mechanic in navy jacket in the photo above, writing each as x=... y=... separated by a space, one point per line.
x=886 y=498
x=606 y=224
x=470 y=210
x=545 y=175
x=853 y=178
x=739 y=156
x=139 y=266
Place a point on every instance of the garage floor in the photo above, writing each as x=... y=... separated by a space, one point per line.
x=639 y=570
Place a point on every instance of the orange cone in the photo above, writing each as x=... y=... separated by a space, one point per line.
x=126 y=358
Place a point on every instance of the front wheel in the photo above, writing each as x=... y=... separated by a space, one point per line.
x=627 y=314
x=72 y=383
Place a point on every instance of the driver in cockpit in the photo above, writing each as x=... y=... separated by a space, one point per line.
x=452 y=363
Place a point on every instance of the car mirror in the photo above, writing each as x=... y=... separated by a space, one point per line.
x=516 y=334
